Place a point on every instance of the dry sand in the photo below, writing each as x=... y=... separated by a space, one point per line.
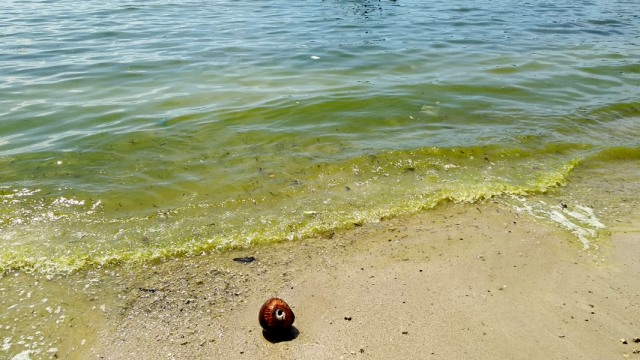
x=463 y=282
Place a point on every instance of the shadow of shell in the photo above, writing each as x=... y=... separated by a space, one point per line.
x=275 y=337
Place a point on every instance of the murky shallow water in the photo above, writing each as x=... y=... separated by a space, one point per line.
x=132 y=131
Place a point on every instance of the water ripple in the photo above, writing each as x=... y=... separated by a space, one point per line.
x=148 y=105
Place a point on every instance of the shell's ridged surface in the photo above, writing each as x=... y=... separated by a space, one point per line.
x=271 y=320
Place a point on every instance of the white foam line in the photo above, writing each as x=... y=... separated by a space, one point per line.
x=582 y=222
x=580 y=232
x=591 y=217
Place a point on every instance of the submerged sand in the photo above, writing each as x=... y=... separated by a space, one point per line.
x=465 y=282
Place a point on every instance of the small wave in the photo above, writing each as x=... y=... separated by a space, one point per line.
x=63 y=233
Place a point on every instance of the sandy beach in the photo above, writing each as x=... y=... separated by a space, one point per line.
x=417 y=179
x=466 y=282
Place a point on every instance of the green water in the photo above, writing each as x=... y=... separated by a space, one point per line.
x=133 y=131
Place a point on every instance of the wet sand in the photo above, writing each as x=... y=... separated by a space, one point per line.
x=463 y=282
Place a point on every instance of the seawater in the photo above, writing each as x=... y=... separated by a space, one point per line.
x=133 y=131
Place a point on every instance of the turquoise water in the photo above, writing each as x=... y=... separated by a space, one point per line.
x=141 y=130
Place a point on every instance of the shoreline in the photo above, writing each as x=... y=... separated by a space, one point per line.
x=467 y=281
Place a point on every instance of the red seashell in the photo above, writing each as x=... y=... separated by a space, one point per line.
x=276 y=316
